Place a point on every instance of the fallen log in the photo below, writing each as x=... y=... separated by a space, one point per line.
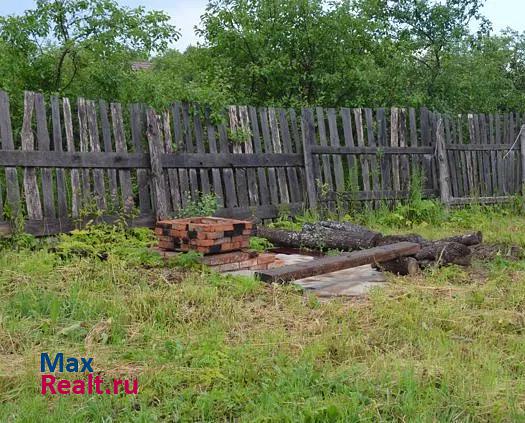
x=330 y=264
x=400 y=266
x=319 y=237
x=443 y=252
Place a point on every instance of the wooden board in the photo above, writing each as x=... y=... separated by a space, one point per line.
x=334 y=263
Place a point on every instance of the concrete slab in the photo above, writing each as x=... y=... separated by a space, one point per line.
x=352 y=282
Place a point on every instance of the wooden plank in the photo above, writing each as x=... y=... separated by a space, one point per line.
x=417 y=161
x=499 y=154
x=94 y=145
x=247 y=147
x=267 y=211
x=293 y=181
x=349 y=143
x=178 y=133
x=42 y=135
x=462 y=155
x=102 y=160
x=261 y=173
x=308 y=131
x=298 y=148
x=493 y=159
x=83 y=137
x=334 y=142
x=31 y=191
x=365 y=170
x=331 y=264
x=241 y=182
x=229 y=181
x=157 y=176
x=199 y=142
x=481 y=200
x=375 y=168
x=404 y=162
x=426 y=140
x=173 y=176
x=433 y=157
x=450 y=158
x=215 y=172
x=471 y=162
x=268 y=148
x=480 y=147
x=394 y=142
x=57 y=144
x=277 y=148
x=137 y=133
x=121 y=147
x=484 y=156
x=510 y=157
x=385 y=161
x=11 y=174
x=70 y=146
x=444 y=172
x=318 y=149
x=327 y=180
x=382 y=195
x=108 y=148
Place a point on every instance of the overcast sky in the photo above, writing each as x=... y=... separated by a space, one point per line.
x=186 y=13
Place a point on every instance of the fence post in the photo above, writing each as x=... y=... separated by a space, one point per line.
x=522 y=153
x=443 y=169
x=307 y=129
x=157 y=176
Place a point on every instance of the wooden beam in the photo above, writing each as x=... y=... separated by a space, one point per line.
x=344 y=261
x=120 y=160
x=374 y=150
x=444 y=171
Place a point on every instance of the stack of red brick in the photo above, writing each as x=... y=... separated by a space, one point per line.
x=224 y=242
x=207 y=235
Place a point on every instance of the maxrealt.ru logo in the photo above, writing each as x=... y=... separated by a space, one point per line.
x=89 y=385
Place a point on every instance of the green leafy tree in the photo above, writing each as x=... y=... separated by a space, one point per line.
x=61 y=43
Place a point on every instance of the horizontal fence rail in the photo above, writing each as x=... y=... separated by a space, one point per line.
x=70 y=160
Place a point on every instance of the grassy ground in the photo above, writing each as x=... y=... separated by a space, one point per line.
x=445 y=346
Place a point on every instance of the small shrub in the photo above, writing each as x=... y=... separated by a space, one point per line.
x=204 y=205
x=260 y=244
x=188 y=260
x=104 y=241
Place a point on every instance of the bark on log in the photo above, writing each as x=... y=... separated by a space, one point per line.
x=473 y=238
x=444 y=252
x=400 y=266
x=319 y=237
x=392 y=239
x=345 y=236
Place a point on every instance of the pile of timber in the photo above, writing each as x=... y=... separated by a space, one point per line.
x=347 y=236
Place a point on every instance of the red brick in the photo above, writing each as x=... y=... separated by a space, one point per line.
x=227 y=267
x=166 y=245
x=260 y=267
x=178 y=233
x=248 y=264
x=229 y=257
x=265 y=258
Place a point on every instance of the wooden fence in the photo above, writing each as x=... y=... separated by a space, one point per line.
x=75 y=160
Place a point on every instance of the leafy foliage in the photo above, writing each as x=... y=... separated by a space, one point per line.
x=107 y=242
x=204 y=205
x=260 y=244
